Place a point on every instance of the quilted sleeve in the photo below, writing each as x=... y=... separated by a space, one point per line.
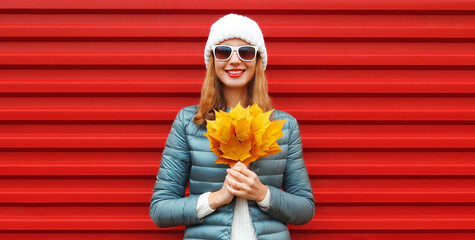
x=295 y=204
x=169 y=206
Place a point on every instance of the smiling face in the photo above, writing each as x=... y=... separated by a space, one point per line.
x=235 y=73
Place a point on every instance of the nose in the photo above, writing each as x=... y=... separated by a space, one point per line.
x=234 y=58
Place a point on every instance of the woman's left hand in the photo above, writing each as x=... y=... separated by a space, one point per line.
x=244 y=183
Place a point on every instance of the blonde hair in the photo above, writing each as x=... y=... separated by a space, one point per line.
x=212 y=96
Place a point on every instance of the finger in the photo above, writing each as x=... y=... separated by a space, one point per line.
x=239 y=166
x=232 y=190
x=230 y=178
x=235 y=192
x=243 y=188
x=237 y=175
x=233 y=178
x=247 y=172
x=248 y=179
x=235 y=184
x=229 y=188
x=242 y=168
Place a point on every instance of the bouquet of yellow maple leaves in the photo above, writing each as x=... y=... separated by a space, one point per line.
x=243 y=134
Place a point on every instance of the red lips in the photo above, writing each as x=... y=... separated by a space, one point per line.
x=235 y=75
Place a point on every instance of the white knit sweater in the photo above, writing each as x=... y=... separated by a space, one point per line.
x=242 y=224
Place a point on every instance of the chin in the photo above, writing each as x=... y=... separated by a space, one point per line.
x=235 y=84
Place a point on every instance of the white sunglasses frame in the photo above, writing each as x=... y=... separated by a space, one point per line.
x=235 y=48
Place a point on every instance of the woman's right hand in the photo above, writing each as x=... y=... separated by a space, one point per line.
x=220 y=197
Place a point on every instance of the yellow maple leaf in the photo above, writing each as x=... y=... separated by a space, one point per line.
x=236 y=150
x=261 y=121
x=273 y=149
x=222 y=127
x=222 y=160
x=241 y=120
x=273 y=132
x=238 y=112
x=243 y=134
x=255 y=109
x=214 y=145
x=243 y=129
x=250 y=159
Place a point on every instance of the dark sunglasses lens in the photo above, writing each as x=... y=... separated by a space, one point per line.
x=222 y=52
x=247 y=53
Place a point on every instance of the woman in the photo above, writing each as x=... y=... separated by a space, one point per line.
x=237 y=202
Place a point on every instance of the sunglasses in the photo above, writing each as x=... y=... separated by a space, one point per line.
x=224 y=52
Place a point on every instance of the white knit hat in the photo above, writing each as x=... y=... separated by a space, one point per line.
x=236 y=26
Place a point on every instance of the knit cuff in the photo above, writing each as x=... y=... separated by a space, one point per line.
x=264 y=204
x=202 y=207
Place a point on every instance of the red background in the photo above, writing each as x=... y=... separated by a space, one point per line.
x=383 y=91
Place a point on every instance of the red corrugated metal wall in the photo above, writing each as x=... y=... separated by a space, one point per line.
x=383 y=90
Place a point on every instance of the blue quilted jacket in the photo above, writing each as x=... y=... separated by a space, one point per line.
x=187 y=159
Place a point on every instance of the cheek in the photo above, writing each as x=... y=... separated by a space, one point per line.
x=219 y=65
x=252 y=68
